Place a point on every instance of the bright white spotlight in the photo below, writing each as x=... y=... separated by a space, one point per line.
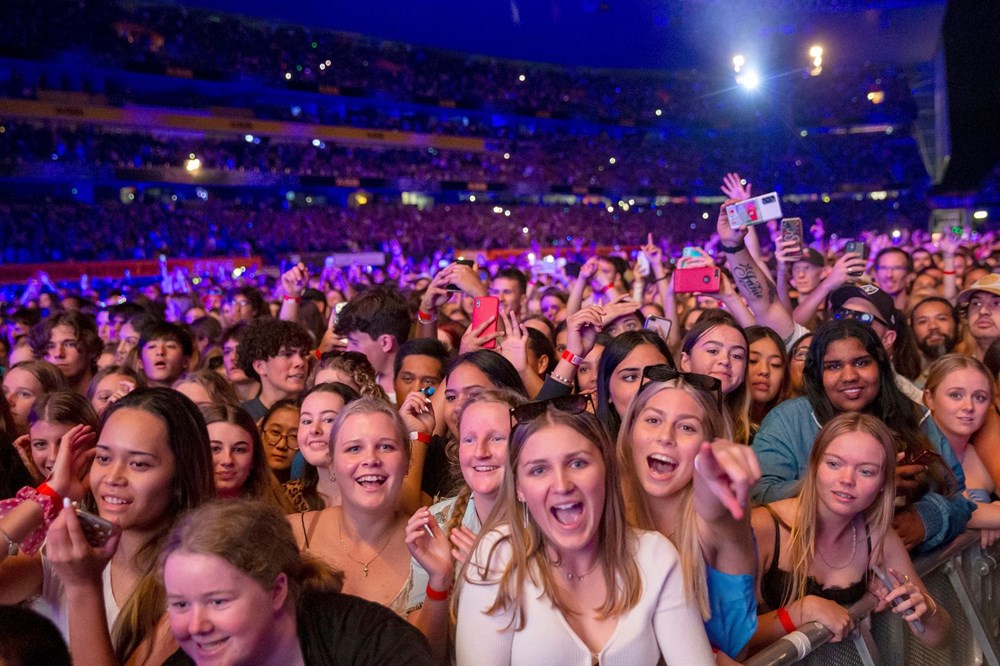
x=816 y=52
x=738 y=62
x=750 y=80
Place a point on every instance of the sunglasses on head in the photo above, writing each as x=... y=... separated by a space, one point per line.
x=857 y=315
x=529 y=411
x=664 y=373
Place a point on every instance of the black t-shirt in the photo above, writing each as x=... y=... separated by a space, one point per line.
x=343 y=629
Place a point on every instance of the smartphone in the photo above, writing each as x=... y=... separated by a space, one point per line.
x=758 y=210
x=483 y=308
x=860 y=248
x=96 y=529
x=705 y=280
x=691 y=252
x=791 y=230
x=918 y=626
x=461 y=262
x=573 y=269
x=659 y=324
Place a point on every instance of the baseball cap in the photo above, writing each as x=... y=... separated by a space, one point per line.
x=882 y=301
x=812 y=256
x=988 y=283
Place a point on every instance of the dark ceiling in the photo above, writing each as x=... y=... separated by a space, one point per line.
x=648 y=34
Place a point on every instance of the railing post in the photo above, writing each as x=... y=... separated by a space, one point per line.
x=977 y=622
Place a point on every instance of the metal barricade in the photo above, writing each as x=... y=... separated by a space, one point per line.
x=963 y=580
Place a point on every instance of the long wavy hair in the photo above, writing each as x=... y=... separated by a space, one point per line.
x=715 y=423
x=529 y=556
x=877 y=516
x=614 y=353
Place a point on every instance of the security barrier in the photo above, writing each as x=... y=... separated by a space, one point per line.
x=963 y=580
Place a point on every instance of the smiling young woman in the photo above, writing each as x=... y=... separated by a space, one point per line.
x=556 y=575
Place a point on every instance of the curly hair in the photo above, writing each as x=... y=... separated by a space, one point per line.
x=265 y=338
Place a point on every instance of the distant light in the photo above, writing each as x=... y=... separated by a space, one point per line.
x=288 y=76
x=309 y=200
x=191 y=156
x=659 y=112
x=980 y=215
x=738 y=62
x=193 y=164
x=317 y=143
x=472 y=198
x=524 y=230
x=826 y=198
x=248 y=138
x=314 y=45
x=896 y=233
x=804 y=133
x=611 y=209
x=497 y=209
x=876 y=97
x=322 y=65
x=506 y=156
x=521 y=78
x=631 y=202
x=361 y=199
x=750 y=80
x=879 y=195
x=612 y=161
x=506 y=213
x=816 y=52
x=704 y=216
x=743 y=181
x=328 y=63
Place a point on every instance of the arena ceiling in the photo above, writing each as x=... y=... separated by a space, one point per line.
x=647 y=34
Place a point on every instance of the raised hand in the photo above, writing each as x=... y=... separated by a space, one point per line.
x=582 y=328
x=74 y=560
x=295 y=280
x=432 y=551
x=733 y=188
x=729 y=470
x=515 y=344
x=69 y=472
x=417 y=413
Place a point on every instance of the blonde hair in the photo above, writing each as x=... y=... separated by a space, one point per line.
x=877 y=516
x=529 y=557
x=716 y=423
x=367 y=404
x=504 y=397
x=950 y=363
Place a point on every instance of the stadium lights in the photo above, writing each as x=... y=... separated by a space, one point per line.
x=750 y=80
x=738 y=62
x=816 y=53
x=192 y=164
x=980 y=215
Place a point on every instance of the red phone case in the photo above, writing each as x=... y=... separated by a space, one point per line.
x=704 y=279
x=483 y=308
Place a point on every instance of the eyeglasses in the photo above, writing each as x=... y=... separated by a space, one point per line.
x=664 y=373
x=863 y=317
x=275 y=437
x=800 y=354
x=529 y=411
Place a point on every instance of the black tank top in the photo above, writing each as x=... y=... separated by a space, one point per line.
x=775 y=583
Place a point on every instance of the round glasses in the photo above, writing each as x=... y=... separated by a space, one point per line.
x=276 y=438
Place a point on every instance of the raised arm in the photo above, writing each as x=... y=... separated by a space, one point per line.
x=838 y=276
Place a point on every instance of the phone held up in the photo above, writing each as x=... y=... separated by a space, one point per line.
x=859 y=248
x=758 y=210
x=483 y=308
x=791 y=230
x=705 y=280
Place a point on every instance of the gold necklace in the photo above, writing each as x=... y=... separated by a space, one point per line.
x=854 y=550
x=343 y=546
x=572 y=576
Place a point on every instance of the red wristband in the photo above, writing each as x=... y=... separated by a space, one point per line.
x=57 y=501
x=948 y=272
x=294 y=299
x=786 y=620
x=603 y=290
x=425 y=317
x=436 y=595
x=420 y=437
x=572 y=358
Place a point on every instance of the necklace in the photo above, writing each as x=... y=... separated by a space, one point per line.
x=343 y=546
x=854 y=550
x=572 y=576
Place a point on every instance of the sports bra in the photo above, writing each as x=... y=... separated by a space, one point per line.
x=775 y=582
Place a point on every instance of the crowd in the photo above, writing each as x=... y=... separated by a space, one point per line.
x=495 y=464
x=56 y=230
x=160 y=38
x=623 y=164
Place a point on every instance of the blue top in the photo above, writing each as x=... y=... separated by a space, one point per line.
x=785 y=440
x=733 y=602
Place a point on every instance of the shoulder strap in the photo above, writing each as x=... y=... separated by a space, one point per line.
x=778 y=524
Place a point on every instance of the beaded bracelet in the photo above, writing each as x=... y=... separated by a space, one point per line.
x=31 y=543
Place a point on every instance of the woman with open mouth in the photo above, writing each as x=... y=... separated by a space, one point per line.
x=818 y=551
x=685 y=478
x=848 y=370
x=556 y=575
x=365 y=536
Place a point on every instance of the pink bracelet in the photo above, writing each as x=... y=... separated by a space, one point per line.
x=31 y=543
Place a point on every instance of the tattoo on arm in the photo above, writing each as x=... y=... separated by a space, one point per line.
x=747 y=279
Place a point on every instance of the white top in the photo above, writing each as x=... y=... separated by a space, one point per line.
x=52 y=602
x=663 y=623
